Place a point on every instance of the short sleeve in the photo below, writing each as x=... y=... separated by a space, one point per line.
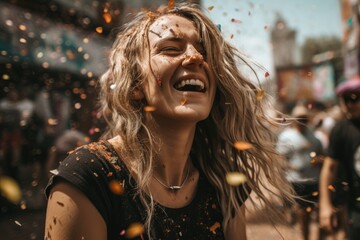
x=91 y=175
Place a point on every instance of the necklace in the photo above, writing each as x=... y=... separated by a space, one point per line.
x=174 y=187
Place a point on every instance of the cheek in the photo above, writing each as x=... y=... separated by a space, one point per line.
x=162 y=66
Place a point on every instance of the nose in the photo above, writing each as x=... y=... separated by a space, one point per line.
x=192 y=57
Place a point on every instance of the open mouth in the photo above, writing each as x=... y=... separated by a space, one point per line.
x=190 y=85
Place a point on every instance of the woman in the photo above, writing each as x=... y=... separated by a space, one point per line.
x=175 y=103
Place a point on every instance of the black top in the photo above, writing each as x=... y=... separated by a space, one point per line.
x=94 y=167
x=344 y=146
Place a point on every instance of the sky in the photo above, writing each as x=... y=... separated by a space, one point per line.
x=247 y=24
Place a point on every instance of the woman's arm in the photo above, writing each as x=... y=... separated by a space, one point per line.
x=236 y=229
x=70 y=215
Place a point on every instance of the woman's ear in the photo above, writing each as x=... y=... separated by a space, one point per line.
x=137 y=94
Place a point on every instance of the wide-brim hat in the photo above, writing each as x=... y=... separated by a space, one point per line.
x=351 y=85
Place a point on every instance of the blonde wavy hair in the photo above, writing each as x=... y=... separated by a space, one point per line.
x=237 y=115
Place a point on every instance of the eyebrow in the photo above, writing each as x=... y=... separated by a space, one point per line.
x=169 y=39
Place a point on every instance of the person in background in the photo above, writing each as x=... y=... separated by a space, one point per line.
x=188 y=139
x=340 y=174
x=302 y=150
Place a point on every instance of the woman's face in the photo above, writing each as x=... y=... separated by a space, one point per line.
x=183 y=86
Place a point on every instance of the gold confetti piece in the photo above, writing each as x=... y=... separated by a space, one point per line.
x=331 y=188
x=10 y=189
x=211 y=8
x=260 y=95
x=242 y=145
x=315 y=194
x=149 y=108
x=107 y=17
x=235 y=178
x=116 y=187
x=215 y=226
x=358 y=199
x=308 y=209
x=134 y=230
x=183 y=101
x=99 y=29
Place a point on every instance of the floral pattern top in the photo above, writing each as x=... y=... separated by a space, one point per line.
x=97 y=170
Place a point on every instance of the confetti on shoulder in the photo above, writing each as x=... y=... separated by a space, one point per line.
x=54 y=171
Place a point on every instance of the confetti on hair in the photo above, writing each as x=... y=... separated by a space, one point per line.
x=149 y=108
x=219 y=27
x=308 y=209
x=235 y=178
x=314 y=194
x=260 y=94
x=134 y=230
x=242 y=145
x=215 y=226
x=116 y=187
x=171 y=4
x=211 y=8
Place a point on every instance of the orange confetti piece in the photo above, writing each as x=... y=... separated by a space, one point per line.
x=134 y=230
x=235 y=178
x=315 y=194
x=242 y=145
x=215 y=226
x=260 y=95
x=211 y=8
x=99 y=29
x=171 y=4
x=331 y=188
x=116 y=187
x=183 y=101
x=107 y=17
x=308 y=209
x=149 y=108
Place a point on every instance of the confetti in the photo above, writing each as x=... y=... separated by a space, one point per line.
x=331 y=188
x=260 y=94
x=358 y=199
x=235 y=178
x=308 y=209
x=116 y=187
x=215 y=226
x=314 y=194
x=313 y=154
x=18 y=223
x=183 y=101
x=134 y=230
x=235 y=20
x=171 y=4
x=107 y=17
x=211 y=8
x=242 y=145
x=149 y=108
x=10 y=189
x=267 y=74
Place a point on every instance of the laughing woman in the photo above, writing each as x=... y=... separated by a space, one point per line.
x=175 y=103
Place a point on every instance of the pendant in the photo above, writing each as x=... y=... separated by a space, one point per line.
x=173 y=188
